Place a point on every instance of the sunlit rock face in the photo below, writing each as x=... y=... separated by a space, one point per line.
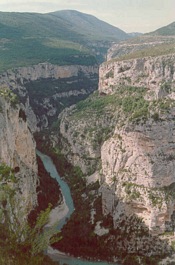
x=135 y=161
x=138 y=161
x=17 y=150
x=156 y=74
x=138 y=167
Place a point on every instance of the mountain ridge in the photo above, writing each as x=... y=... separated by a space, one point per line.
x=77 y=18
x=168 y=30
x=32 y=38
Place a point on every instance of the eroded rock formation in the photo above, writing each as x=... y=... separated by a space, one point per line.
x=138 y=162
x=156 y=74
x=46 y=89
x=135 y=159
x=17 y=151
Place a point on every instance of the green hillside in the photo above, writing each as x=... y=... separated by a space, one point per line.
x=153 y=51
x=168 y=30
x=64 y=37
x=89 y=25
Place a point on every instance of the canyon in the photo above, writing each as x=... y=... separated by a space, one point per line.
x=45 y=89
x=18 y=158
x=137 y=158
x=123 y=136
x=113 y=124
x=129 y=151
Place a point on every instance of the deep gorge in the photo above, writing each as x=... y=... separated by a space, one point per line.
x=109 y=130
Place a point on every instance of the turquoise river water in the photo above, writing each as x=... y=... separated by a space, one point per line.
x=65 y=259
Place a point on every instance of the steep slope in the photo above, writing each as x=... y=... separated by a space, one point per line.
x=30 y=38
x=168 y=30
x=46 y=89
x=88 y=24
x=143 y=155
x=17 y=151
x=124 y=137
x=25 y=188
x=145 y=45
x=136 y=106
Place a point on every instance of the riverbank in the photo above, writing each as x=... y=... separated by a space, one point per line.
x=57 y=214
x=63 y=258
x=51 y=251
x=78 y=237
x=48 y=192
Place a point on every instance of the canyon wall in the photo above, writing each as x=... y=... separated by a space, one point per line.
x=18 y=167
x=138 y=161
x=135 y=159
x=46 y=89
x=156 y=74
x=46 y=70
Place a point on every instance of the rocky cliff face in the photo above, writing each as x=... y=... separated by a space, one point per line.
x=46 y=70
x=82 y=134
x=135 y=159
x=137 y=44
x=17 y=151
x=138 y=161
x=156 y=74
x=46 y=89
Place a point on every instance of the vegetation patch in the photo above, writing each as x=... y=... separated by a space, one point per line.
x=110 y=74
x=48 y=191
x=157 y=196
x=78 y=237
x=6 y=93
x=158 y=50
x=19 y=242
x=128 y=100
x=28 y=39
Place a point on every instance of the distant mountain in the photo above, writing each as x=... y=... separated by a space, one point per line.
x=142 y=46
x=135 y=34
x=88 y=24
x=168 y=30
x=63 y=37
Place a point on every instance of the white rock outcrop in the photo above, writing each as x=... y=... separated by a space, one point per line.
x=47 y=70
x=156 y=74
x=41 y=107
x=138 y=161
x=17 y=150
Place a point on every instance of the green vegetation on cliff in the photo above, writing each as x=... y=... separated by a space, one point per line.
x=126 y=100
x=78 y=236
x=19 y=242
x=7 y=94
x=28 y=251
x=153 y=51
x=62 y=92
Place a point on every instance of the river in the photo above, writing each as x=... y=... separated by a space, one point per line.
x=54 y=254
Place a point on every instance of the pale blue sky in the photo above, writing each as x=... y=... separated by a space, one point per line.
x=129 y=15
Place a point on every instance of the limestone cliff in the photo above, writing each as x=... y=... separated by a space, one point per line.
x=17 y=151
x=138 y=44
x=131 y=122
x=82 y=134
x=46 y=89
x=46 y=70
x=157 y=74
x=138 y=161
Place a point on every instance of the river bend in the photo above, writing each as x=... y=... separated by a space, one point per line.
x=54 y=254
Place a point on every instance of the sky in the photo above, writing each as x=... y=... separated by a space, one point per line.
x=128 y=15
